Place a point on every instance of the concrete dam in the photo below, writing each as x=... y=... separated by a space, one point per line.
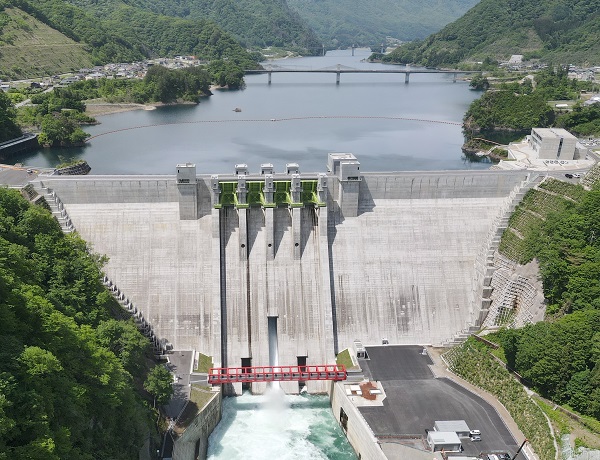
x=291 y=268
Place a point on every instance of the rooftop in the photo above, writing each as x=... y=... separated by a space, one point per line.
x=554 y=132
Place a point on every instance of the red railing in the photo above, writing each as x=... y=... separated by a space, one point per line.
x=218 y=375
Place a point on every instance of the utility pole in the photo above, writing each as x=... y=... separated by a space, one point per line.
x=520 y=448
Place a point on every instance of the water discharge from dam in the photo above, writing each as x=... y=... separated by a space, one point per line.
x=278 y=426
x=255 y=286
x=273 y=351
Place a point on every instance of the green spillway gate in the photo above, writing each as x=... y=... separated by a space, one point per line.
x=282 y=195
x=255 y=196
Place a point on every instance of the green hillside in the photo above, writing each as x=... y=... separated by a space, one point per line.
x=68 y=369
x=346 y=22
x=44 y=37
x=557 y=31
x=30 y=47
x=255 y=23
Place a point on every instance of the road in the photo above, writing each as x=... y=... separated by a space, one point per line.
x=28 y=101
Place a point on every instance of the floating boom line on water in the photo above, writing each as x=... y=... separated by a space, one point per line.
x=270 y=120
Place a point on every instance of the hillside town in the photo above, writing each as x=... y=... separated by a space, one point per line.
x=109 y=71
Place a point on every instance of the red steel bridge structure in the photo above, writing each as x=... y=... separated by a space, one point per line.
x=220 y=375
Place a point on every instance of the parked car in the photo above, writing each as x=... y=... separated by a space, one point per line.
x=474 y=433
x=569 y=176
x=576 y=175
x=476 y=438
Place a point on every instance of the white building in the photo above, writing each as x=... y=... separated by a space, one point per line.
x=552 y=143
x=446 y=440
x=459 y=427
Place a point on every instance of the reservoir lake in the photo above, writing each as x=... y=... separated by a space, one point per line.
x=299 y=118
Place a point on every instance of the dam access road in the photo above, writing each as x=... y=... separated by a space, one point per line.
x=228 y=265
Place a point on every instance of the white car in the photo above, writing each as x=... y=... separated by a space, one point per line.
x=576 y=175
x=474 y=433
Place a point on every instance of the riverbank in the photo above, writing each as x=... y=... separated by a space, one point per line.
x=96 y=109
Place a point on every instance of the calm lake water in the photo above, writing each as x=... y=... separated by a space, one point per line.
x=298 y=118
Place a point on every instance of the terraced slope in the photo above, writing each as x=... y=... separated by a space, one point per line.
x=29 y=47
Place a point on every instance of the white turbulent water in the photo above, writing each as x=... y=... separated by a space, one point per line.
x=278 y=426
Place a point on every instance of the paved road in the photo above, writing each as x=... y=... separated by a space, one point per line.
x=28 y=101
x=416 y=398
x=180 y=364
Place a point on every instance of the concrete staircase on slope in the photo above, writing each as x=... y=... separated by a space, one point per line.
x=484 y=263
x=57 y=208
x=128 y=309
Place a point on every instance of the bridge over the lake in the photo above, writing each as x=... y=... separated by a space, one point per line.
x=340 y=69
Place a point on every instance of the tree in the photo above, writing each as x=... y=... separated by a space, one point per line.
x=8 y=116
x=479 y=82
x=159 y=384
x=60 y=388
x=125 y=341
x=59 y=129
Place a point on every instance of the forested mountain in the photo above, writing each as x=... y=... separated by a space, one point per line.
x=67 y=368
x=557 y=31
x=119 y=34
x=254 y=23
x=341 y=23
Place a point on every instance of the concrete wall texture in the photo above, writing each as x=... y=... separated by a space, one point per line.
x=192 y=444
x=359 y=434
x=395 y=261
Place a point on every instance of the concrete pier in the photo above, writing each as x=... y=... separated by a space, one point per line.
x=334 y=257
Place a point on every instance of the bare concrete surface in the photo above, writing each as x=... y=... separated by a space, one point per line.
x=403 y=269
x=15 y=176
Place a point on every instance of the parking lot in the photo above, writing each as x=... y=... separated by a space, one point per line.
x=416 y=399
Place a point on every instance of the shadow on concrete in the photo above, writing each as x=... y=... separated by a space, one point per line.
x=366 y=202
x=282 y=220
x=255 y=221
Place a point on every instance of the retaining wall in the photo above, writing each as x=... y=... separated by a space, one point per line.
x=192 y=444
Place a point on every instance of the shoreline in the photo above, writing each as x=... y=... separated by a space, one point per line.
x=98 y=109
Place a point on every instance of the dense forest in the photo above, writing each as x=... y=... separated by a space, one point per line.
x=557 y=31
x=68 y=369
x=8 y=119
x=520 y=106
x=343 y=23
x=253 y=23
x=560 y=358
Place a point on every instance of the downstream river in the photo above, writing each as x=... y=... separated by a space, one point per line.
x=298 y=118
